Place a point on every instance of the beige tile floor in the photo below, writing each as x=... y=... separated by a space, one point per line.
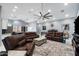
x=53 y=48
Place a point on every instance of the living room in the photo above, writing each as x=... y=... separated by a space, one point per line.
x=31 y=28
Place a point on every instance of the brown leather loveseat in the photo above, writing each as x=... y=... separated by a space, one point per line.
x=54 y=35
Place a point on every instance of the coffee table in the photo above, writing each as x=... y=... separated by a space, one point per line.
x=39 y=41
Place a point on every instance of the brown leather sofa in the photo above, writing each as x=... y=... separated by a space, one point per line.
x=55 y=36
x=31 y=35
x=19 y=42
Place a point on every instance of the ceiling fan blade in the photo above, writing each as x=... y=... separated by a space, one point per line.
x=49 y=16
x=46 y=14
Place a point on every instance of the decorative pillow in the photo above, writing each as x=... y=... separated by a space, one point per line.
x=22 y=42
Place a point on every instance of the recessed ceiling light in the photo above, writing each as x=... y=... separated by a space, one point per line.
x=66 y=15
x=49 y=10
x=65 y=4
x=15 y=7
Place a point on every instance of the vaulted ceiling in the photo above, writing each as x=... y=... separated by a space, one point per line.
x=26 y=11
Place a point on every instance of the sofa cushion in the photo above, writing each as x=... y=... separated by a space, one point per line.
x=22 y=42
x=29 y=40
x=58 y=34
x=10 y=42
x=27 y=46
x=31 y=35
x=21 y=48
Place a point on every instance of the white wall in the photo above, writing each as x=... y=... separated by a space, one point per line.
x=78 y=13
x=31 y=27
x=0 y=25
x=71 y=25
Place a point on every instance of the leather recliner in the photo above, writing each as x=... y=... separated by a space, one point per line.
x=55 y=36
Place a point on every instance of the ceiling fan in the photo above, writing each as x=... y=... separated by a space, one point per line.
x=42 y=16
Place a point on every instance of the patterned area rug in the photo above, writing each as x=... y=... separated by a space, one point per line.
x=52 y=48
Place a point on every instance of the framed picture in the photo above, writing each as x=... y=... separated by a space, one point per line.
x=66 y=26
x=43 y=27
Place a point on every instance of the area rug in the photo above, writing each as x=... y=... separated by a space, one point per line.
x=52 y=48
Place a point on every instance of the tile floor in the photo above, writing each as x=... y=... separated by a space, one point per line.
x=53 y=48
